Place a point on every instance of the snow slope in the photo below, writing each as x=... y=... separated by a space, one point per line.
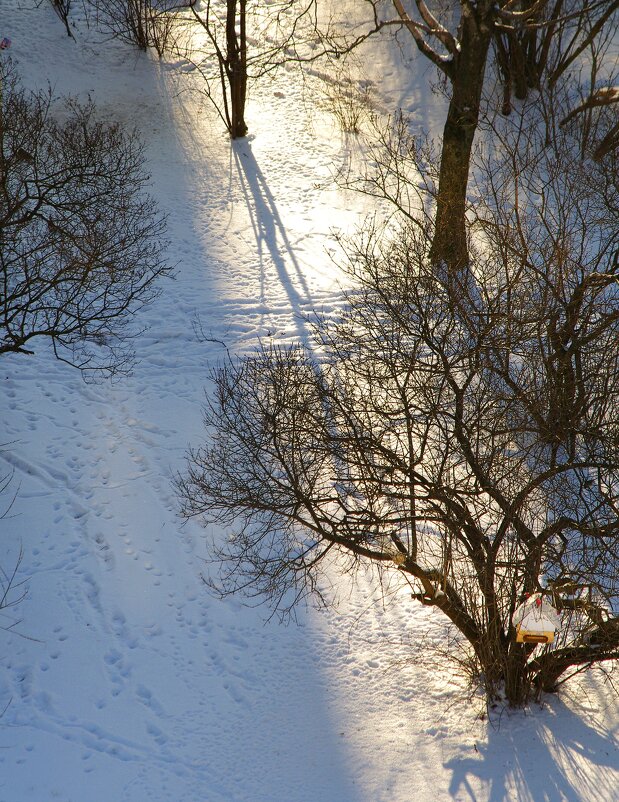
x=124 y=681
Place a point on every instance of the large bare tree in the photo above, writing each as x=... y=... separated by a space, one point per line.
x=457 y=429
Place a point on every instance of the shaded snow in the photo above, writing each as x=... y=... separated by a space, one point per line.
x=125 y=681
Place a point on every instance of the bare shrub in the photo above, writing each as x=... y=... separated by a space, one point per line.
x=81 y=241
x=349 y=100
x=145 y=23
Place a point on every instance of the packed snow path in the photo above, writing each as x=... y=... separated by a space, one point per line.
x=125 y=681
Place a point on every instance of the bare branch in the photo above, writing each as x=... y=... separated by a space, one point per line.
x=416 y=30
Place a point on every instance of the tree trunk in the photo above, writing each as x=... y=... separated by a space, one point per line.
x=517 y=680
x=449 y=244
x=518 y=66
x=236 y=68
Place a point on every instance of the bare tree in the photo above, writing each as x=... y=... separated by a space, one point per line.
x=536 y=42
x=144 y=23
x=456 y=429
x=555 y=36
x=249 y=40
x=81 y=243
x=226 y=31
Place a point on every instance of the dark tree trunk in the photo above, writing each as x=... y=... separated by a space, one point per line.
x=532 y=66
x=236 y=67
x=450 y=245
x=518 y=65
x=517 y=680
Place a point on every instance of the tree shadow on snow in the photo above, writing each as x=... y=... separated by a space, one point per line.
x=553 y=755
x=271 y=237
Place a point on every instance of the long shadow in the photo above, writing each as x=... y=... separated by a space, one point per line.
x=286 y=749
x=555 y=756
x=272 y=243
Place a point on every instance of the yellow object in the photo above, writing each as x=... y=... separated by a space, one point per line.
x=528 y=636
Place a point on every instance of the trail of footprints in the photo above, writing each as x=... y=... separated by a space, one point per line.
x=78 y=474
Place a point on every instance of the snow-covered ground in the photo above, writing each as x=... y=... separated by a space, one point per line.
x=124 y=680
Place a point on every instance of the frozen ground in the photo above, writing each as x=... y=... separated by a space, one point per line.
x=125 y=681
